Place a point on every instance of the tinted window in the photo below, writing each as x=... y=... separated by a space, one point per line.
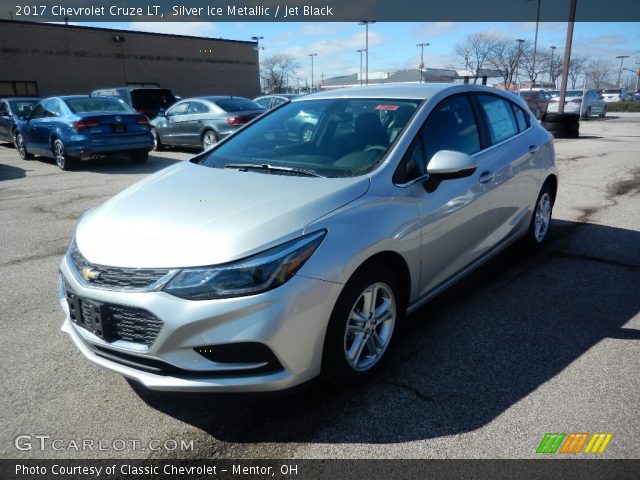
x=21 y=108
x=197 y=107
x=413 y=164
x=96 y=104
x=238 y=104
x=37 y=112
x=179 y=109
x=265 y=102
x=522 y=119
x=4 y=109
x=500 y=118
x=278 y=101
x=451 y=126
x=152 y=99
x=52 y=109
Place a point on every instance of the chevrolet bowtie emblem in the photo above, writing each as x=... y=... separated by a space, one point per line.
x=89 y=274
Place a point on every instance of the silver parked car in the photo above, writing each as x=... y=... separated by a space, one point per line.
x=202 y=121
x=270 y=260
x=586 y=103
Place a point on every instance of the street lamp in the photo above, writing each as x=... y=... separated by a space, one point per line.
x=360 y=51
x=551 y=67
x=535 y=44
x=312 y=55
x=621 y=57
x=520 y=42
x=421 y=45
x=257 y=48
x=366 y=26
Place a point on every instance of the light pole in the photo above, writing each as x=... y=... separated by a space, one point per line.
x=312 y=55
x=257 y=49
x=520 y=42
x=621 y=57
x=360 y=51
x=535 y=44
x=421 y=45
x=366 y=48
x=551 y=67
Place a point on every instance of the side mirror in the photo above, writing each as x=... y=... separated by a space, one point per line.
x=447 y=164
x=162 y=112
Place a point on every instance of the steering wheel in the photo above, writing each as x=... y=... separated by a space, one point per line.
x=373 y=148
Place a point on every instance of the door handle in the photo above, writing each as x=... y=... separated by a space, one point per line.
x=533 y=148
x=486 y=176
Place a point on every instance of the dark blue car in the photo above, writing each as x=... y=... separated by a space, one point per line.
x=74 y=128
x=12 y=110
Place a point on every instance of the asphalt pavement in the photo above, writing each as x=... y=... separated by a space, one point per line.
x=528 y=344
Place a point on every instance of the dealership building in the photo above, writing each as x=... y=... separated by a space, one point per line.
x=55 y=59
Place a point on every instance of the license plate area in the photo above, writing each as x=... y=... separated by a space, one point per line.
x=89 y=314
x=119 y=127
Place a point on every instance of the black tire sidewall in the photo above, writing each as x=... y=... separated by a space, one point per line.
x=530 y=238
x=335 y=368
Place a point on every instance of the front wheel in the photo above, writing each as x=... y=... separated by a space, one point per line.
x=587 y=114
x=362 y=326
x=22 y=148
x=63 y=161
x=604 y=112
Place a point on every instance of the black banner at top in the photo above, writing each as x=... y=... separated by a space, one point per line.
x=317 y=10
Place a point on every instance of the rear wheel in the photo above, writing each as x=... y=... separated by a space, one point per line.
x=22 y=147
x=209 y=140
x=604 y=112
x=63 y=161
x=157 y=144
x=362 y=326
x=140 y=157
x=587 y=114
x=541 y=220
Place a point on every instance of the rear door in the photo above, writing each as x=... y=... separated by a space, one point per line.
x=40 y=128
x=193 y=122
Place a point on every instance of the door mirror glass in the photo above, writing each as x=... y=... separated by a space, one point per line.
x=451 y=164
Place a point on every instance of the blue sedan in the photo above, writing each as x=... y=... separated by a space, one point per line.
x=74 y=128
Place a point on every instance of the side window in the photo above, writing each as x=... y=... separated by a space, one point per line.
x=4 y=110
x=38 y=111
x=500 y=118
x=451 y=126
x=197 y=107
x=277 y=101
x=180 y=109
x=413 y=164
x=522 y=119
x=264 y=102
x=52 y=109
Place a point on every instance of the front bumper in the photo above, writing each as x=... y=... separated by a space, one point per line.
x=290 y=320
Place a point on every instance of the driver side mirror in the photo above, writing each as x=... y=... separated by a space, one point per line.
x=449 y=164
x=162 y=112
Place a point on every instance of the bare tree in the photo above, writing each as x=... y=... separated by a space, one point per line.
x=577 y=65
x=552 y=64
x=275 y=70
x=475 y=50
x=534 y=70
x=506 y=58
x=598 y=71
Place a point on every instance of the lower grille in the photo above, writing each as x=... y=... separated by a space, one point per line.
x=113 y=322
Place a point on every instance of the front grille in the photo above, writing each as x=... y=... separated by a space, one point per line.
x=113 y=322
x=115 y=277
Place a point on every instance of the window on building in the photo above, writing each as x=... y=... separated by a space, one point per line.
x=18 y=89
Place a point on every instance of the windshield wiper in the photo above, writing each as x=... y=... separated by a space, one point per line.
x=272 y=168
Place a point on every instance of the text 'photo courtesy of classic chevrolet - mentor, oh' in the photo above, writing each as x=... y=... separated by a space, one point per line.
x=274 y=257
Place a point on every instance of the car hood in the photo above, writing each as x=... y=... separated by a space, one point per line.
x=191 y=215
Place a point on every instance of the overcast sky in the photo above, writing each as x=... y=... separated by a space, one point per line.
x=392 y=46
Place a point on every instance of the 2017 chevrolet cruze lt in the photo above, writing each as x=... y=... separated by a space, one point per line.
x=271 y=259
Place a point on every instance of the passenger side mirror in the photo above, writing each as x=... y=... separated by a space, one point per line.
x=449 y=164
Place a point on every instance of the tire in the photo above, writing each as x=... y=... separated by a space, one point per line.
x=140 y=157
x=306 y=132
x=22 y=148
x=357 y=343
x=209 y=140
x=553 y=117
x=604 y=112
x=540 y=224
x=587 y=114
x=63 y=161
x=14 y=140
x=157 y=144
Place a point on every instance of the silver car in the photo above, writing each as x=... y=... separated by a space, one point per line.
x=586 y=103
x=270 y=260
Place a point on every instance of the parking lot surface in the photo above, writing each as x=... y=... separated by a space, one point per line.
x=529 y=344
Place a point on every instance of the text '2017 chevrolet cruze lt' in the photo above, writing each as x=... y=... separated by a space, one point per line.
x=272 y=259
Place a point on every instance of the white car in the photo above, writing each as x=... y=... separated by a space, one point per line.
x=615 y=95
x=585 y=102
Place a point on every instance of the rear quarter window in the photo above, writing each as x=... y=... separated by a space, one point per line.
x=500 y=117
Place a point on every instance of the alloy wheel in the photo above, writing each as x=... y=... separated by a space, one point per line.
x=209 y=140
x=542 y=217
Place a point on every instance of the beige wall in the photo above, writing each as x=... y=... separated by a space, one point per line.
x=68 y=60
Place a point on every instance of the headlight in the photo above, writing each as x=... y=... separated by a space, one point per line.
x=256 y=274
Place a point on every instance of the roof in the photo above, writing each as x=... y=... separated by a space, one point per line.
x=398 y=91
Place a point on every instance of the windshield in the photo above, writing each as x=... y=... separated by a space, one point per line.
x=238 y=104
x=97 y=104
x=21 y=108
x=614 y=90
x=330 y=138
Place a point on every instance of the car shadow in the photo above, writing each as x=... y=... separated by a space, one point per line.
x=463 y=359
x=121 y=164
x=9 y=172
